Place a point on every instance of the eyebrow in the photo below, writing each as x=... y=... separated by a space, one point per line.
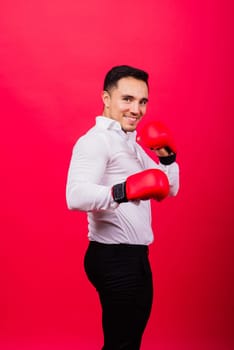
x=144 y=99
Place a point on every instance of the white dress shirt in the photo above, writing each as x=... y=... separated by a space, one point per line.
x=101 y=158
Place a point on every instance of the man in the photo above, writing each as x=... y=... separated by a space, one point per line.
x=113 y=179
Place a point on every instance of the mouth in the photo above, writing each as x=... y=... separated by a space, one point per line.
x=131 y=119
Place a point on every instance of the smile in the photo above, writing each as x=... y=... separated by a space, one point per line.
x=130 y=118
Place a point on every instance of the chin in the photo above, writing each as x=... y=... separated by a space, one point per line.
x=129 y=128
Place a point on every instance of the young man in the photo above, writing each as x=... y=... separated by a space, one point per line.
x=113 y=179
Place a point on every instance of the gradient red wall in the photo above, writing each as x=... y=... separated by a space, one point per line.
x=53 y=57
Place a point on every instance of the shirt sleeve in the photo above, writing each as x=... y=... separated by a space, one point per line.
x=87 y=166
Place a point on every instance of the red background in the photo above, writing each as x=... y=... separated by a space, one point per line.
x=53 y=58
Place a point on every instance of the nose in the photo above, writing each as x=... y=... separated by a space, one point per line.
x=135 y=108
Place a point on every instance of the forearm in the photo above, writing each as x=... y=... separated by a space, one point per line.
x=172 y=172
x=89 y=197
x=167 y=163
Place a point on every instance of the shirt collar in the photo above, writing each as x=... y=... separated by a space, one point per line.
x=108 y=123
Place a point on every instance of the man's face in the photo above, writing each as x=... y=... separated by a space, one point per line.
x=127 y=102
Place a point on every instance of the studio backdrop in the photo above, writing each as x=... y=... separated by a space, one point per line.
x=53 y=58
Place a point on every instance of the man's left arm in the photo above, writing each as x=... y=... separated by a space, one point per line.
x=157 y=137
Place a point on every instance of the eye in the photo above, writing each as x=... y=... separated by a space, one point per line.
x=127 y=98
x=144 y=102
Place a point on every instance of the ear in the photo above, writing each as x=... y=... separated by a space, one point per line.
x=106 y=98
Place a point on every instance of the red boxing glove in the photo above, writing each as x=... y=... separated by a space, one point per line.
x=156 y=135
x=151 y=183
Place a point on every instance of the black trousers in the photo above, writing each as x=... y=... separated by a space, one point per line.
x=122 y=276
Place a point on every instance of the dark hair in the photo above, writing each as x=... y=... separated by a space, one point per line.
x=118 y=72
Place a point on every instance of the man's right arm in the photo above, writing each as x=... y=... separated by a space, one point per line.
x=86 y=170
